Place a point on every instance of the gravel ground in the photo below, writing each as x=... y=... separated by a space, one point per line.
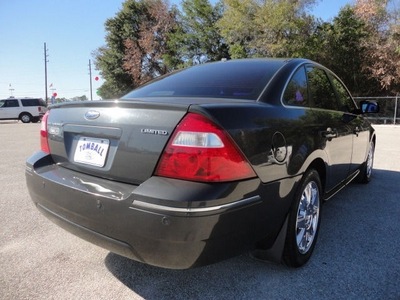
x=357 y=255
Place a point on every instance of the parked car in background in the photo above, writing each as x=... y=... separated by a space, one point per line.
x=24 y=109
x=205 y=163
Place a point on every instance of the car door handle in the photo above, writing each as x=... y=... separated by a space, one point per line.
x=356 y=131
x=329 y=133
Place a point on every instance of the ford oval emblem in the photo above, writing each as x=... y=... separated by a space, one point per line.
x=92 y=114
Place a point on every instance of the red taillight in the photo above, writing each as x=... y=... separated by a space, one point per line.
x=199 y=150
x=44 y=143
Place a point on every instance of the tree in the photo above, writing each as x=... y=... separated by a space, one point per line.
x=340 y=46
x=80 y=98
x=238 y=28
x=278 y=28
x=147 y=38
x=197 y=39
x=135 y=42
x=285 y=27
x=109 y=59
x=144 y=53
x=383 y=54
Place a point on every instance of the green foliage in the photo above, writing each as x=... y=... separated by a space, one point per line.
x=237 y=26
x=340 y=46
x=147 y=38
x=136 y=43
x=109 y=59
x=197 y=39
x=111 y=89
x=266 y=28
x=80 y=98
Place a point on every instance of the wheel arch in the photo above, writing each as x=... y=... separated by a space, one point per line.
x=275 y=252
x=24 y=113
x=319 y=165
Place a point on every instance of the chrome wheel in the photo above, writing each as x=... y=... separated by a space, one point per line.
x=307 y=217
x=25 y=118
x=304 y=220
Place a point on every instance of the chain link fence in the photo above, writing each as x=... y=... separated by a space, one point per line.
x=389 y=112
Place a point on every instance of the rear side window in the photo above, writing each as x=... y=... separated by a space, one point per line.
x=32 y=102
x=322 y=94
x=296 y=91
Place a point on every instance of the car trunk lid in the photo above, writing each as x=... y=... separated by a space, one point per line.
x=118 y=140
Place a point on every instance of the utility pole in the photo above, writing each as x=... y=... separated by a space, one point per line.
x=90 y=75
x=11 y=91
x=45 y=71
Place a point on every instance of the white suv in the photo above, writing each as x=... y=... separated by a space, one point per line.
x=24 y=109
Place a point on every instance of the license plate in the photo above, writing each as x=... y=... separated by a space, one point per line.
x=91 y=151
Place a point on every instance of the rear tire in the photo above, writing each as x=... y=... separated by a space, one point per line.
x=304 y=221
x=25 y=117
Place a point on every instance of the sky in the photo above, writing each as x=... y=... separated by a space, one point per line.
x=72 y=31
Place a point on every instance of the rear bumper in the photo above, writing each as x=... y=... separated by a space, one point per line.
x=163 y=222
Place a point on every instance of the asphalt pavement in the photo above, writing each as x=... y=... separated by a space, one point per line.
x=357 y=254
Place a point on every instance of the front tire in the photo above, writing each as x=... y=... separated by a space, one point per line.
x=366 y=169
x=304 y=221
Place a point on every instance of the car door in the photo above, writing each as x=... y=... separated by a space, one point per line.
x=359 y=126
x=331 y=126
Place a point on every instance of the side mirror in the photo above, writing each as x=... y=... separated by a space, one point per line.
x=368 y=107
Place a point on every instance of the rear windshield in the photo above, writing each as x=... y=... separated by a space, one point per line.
x=233 y=79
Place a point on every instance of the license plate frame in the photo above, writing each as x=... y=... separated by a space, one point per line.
x=91 y=151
